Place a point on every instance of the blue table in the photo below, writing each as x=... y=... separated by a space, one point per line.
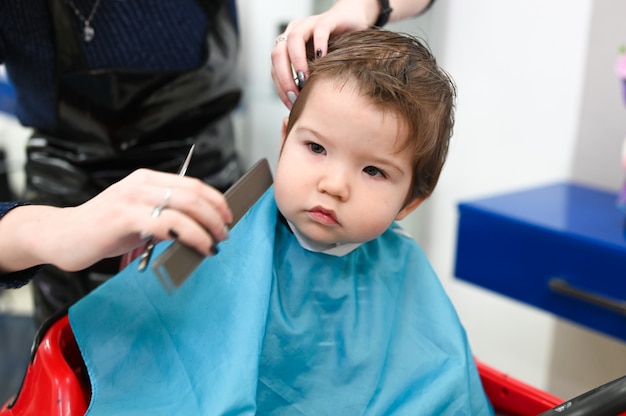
x=559 y=247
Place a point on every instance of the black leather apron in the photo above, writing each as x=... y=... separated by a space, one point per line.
x=113 y=121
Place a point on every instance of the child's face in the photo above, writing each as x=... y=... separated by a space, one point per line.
x=341 y=177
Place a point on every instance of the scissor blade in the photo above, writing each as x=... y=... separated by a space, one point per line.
x=183 y=168
x=178 y=261
x=147 y=251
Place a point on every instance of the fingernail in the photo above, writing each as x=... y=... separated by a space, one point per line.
x=300 y=80
x=292 y=96
x=318 y=53
x=172 y=233
x=226 y=232
x=213 y=249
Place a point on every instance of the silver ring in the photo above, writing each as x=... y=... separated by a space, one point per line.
x=280 y=38
x=156 y=211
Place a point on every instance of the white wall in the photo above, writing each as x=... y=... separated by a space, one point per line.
x=538 y=101
x=263 y=112
x=602 y=116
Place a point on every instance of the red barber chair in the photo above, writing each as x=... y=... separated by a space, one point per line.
x=56 y=381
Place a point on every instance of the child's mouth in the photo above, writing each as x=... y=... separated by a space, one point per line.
x=323 y=216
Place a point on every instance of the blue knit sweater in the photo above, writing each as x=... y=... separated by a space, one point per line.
x=139 y=34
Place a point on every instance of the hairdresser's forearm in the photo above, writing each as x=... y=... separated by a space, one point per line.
x=401 y=9
x=115 y=222
x=24 y=236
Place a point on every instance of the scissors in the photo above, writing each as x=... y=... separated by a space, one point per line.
x=144 y=259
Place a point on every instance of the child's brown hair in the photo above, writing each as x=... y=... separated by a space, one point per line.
x=399 y=74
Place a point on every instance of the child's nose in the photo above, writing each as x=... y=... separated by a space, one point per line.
x=335 y=182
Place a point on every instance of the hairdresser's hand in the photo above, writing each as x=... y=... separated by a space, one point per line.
x=290 y=48
x=114 y=222
x=314 y=32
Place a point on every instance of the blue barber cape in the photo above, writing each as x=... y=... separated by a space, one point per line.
x=267 y=327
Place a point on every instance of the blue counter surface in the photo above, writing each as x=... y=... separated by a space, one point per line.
x=560 y=247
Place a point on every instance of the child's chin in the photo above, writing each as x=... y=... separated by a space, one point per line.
x=316 y=233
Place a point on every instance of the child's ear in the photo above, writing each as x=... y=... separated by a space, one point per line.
x=410 y=207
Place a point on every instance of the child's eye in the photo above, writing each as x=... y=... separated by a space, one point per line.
x=374 y=171
x=316 y=148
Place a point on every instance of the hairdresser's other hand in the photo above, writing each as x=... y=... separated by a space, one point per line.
x=114 y=222
x=342 y=16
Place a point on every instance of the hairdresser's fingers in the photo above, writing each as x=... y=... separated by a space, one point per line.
x=282 y=73
x=204 y=210
x=190 y=197
x=82 y=243
x=312 y=32
x=184 y=193
x=290 y=56
x=301 y=37
x=146 y=203
x=176 y=224
x=149 y=187
x=320 y=41
x=283 y=81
